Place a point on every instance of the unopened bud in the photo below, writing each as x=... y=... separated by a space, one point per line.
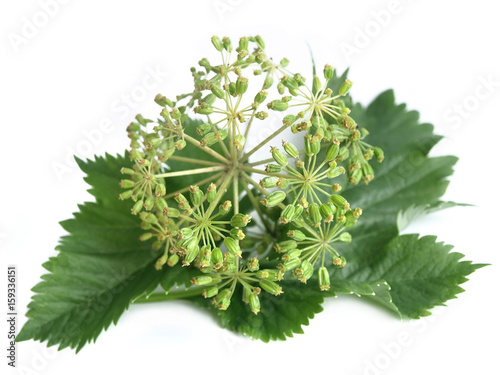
x=273 y=199
x=324 y=279
x=270 y=287
x=314 y=214
x=240 y=220
x=232 y=246
x=279 y=156
x=340 y=201
x=345 y=87
x=328 y=72
x=217 y=43
x=278 y=105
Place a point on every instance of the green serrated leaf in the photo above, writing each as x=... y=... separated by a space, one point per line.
x=280 y=316
x=408 y=183
x=422 y=273
x=101 y=266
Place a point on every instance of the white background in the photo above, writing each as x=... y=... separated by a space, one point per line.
x=65 y=71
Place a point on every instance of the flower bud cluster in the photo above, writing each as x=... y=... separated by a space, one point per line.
x=297 y=195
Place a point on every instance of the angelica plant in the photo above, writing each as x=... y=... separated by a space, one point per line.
x=300 y=181
x=259 y=231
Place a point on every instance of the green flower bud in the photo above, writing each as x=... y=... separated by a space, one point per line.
x=314 y=214
x=307 y=270
x=223 y=299
x=217 y=257
x=261 y=115
x=211 y=193
x=143 y=121
x=241 y=85
x=173 y=260
x=196 y=195
x=270 y=287
x=284 y=62
x=324 y=279
x=379 y=154
x=232 y=89
x=203 y=129
x=345 y=87
x=125 y=195
x=137 y=207
x=273 y=199
x=204 y=109
x=289 y=83
x=133 y=127
x=268 y=274
x=340 y=262
x=273 y=168
x=298 y=209
x=209 y=139
x=254 y=303
x=239 y=141
x=340 y=201
x=175 y=113
x=260 y=42
x=285 y=246
x=128 y=171
x=268 y=82
x=279 y=156
x=127 y=184
x=205 y=257
x=291 y=264
x=316 y=83
x=226 y=42
x=217 y=43
x=163 y=101
x=291 y=149
x=243 y=44
x=185 y=233
x=225 y=207
x=269 y=182
x=145 y=236
x=332 y=151
x=297 y=235
x=240 y=220
x=192 y=251
x=345 y=237
x=287 y=214
x=253 y=264
x=328 y=72
x=232 y=246
x=238 y=234
x=202 y=280
x=327 y=211
x=217 y=91
x=278 y=105
x=312 y=146
x=171 y=212
x=210 y=292
x=148 y=217
x=343 y=154
x=160 y=190
x=335 y=172
x=209 y=99
x=260 y=97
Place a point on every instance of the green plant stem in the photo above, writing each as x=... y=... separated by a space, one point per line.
x=194 y=161
x=265 y=141
x=172 y=295
x=208 y=150
x=192 y=171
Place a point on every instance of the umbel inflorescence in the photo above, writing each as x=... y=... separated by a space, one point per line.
x=247 y=221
